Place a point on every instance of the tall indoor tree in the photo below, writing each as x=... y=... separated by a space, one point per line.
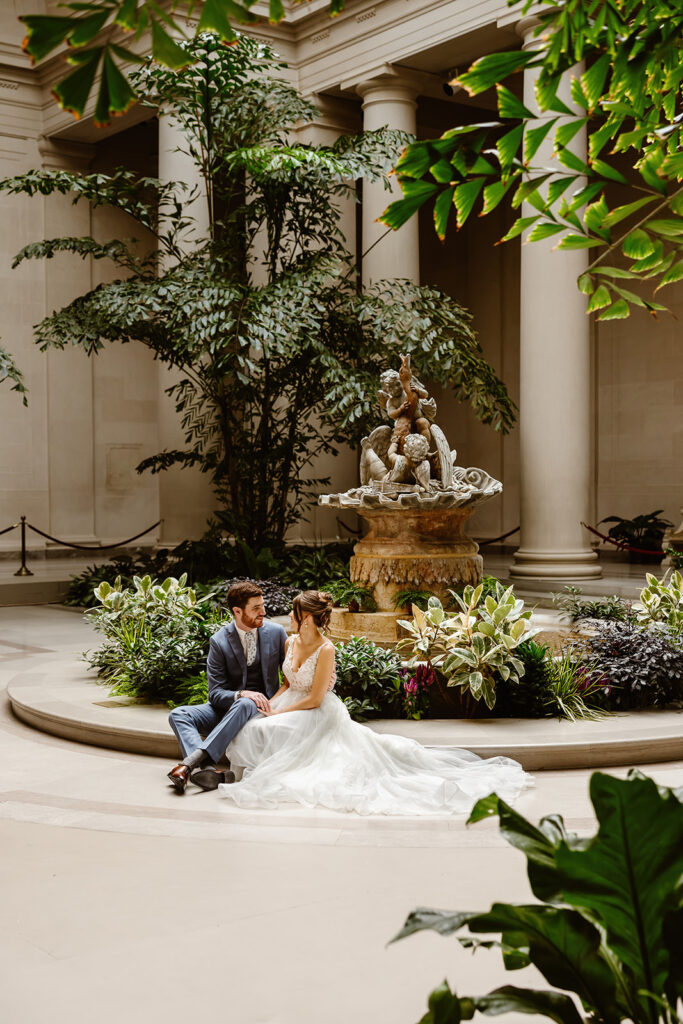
x=278 y=348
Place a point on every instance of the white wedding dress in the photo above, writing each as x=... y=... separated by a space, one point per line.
x=321 y=758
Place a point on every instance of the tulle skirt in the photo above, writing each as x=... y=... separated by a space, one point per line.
x=321 y=758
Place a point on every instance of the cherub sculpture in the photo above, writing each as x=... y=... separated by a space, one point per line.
x=415 y=448
x=406 y=401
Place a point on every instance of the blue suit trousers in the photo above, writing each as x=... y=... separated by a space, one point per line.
x=201 y=727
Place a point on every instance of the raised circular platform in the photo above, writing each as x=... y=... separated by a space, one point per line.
x=59 y=696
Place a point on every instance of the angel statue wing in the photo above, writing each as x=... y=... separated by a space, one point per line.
x=374 y=449
x=428 y=406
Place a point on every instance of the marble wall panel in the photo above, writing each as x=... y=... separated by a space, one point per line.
x=24 y=476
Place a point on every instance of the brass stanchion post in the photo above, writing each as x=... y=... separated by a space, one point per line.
x=23 y=570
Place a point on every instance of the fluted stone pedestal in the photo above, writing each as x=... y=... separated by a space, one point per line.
x=419 y=549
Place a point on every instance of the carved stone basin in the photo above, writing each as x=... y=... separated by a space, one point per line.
x=420 y=549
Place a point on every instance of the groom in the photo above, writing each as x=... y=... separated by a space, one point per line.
x=243 y=672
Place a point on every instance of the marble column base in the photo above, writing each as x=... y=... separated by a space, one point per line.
x=558 y=564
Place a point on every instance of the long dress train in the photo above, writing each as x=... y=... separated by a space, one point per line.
x=321 y=758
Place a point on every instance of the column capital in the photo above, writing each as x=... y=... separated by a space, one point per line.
x=64 y=155
x=525 y=29
x=387 y=83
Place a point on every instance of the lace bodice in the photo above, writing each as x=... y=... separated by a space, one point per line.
x=302 y=678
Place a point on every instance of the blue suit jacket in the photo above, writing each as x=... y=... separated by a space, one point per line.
x=226 y=666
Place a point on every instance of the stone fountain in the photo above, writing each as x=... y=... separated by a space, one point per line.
x=415 y=500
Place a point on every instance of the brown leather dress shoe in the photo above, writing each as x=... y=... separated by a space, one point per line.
x=179 y=776
x=211 y=778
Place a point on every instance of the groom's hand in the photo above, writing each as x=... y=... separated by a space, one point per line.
x=259 y=699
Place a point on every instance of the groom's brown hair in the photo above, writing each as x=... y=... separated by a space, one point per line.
x=241 y=592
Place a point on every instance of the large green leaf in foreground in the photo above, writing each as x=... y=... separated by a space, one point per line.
x=611 y=931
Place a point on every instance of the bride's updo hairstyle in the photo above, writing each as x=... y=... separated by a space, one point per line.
x=316 y=603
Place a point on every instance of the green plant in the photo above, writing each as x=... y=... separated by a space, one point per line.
x=528 y=696
x=575 y=689
x=662 y=602
x=276 y=597
x=304 y=567
x=157 y=638
x=644 y=532
x=676 y=557
x=626 y=100
x=474 y=647
x=369 y=679
x=84 y=32
x=574 y=606
x=353 y=596
x=638 y=668
x=406 y=598
x=608 y=918
x=277 y=351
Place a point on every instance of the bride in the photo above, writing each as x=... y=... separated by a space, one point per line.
x=307 y=750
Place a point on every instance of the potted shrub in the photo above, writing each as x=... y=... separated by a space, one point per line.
x=644 y=532
x=472 y=647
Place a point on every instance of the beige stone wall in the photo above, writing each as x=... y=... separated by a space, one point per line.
x=24 y=471
x=125 y=389
x=640 y=412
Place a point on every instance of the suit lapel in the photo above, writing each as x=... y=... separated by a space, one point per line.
x=237 y=650
x=263 y=650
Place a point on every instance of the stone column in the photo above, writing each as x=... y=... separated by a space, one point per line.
x=185 y=497
x=555 y=395
x=70 y=433
x=336 y=117
x=389 y=100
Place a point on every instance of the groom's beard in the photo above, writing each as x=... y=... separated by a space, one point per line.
x=252 y=621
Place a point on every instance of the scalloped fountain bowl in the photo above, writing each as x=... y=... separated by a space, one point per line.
x=416 y=540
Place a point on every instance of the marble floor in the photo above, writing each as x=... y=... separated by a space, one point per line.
x=123 y=902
